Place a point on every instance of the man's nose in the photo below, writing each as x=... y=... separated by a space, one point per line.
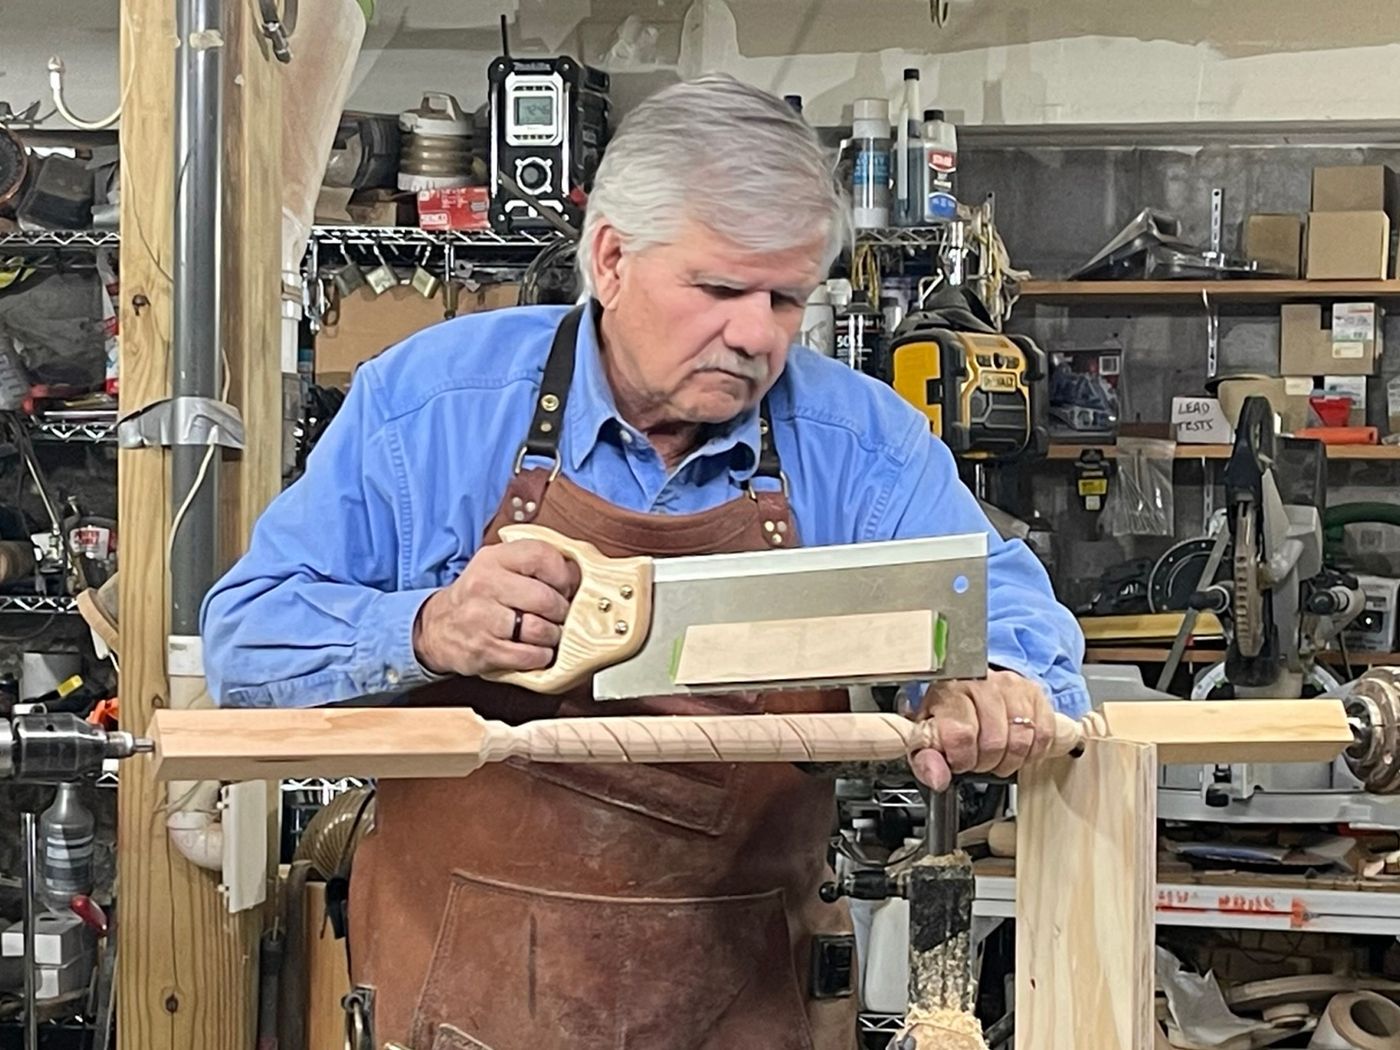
x=750 y=326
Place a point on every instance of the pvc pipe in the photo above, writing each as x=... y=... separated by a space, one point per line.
x=192 y=822
x=195 y=342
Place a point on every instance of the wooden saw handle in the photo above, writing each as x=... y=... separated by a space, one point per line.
x=608 y=619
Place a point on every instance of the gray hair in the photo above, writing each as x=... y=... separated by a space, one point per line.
x=723 y=153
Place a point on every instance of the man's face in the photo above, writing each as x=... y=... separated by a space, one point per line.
x=698 y=330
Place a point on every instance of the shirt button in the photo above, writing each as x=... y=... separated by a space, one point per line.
x=626 y=437
x=391 y=676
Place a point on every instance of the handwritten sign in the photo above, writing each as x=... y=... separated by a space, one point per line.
x=1200 y=421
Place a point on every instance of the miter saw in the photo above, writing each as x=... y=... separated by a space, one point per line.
x=1280 y=607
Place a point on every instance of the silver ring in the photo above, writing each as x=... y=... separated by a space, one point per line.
x=1020 y=720
x=519 y=622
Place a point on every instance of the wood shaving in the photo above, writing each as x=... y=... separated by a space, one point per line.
x=941 y=1029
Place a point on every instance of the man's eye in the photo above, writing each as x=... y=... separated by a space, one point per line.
x=720 y=291
x=788 y=302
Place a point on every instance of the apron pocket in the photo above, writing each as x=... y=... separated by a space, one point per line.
x=697 y=797
x=520 y=968
x=449 y=1038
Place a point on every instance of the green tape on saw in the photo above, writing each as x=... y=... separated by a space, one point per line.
x=675 y=667
x=940 y=639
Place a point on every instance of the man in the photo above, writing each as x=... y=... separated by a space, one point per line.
x=647 y=907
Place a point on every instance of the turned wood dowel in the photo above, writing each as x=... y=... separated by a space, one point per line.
x=862 y=737
x=445 y=742
x=454 y=741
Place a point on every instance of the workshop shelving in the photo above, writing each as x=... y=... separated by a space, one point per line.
x=42 y=604
x=38 y=239
x=412 y=236
x=1203 y=292
x=1241 y=906
x=1375 y=453
x=904 y=236
x=66 y=432
x=1109 y=654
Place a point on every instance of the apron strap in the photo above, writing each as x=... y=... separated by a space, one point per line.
x=546 y=426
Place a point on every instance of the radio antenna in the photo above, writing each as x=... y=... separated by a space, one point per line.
x=505 y=38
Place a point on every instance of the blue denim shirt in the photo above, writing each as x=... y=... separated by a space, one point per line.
x=399 y=491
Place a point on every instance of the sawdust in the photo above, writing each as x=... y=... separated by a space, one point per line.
x=941 y=1029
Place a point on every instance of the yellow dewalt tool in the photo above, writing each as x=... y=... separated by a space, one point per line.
x=984 y=393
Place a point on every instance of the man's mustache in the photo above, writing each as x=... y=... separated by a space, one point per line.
x=754 y=369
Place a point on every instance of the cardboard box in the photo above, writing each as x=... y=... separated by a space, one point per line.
x=1275 y=243
x=1288 y=395
x=1343 y=340
x=369 y=324
x=1357 y=187
x=58 y=939
x=456 y=208
x=1348 y=245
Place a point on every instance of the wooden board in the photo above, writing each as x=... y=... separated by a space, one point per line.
x=1087 y=828
x=1192 y=292
x=231 y=744
x=1143 y=627
x=1229 y=730
x=328 y=975
x=1380 y=453
x=252 y=275
x=835 y=647
x=186 y=973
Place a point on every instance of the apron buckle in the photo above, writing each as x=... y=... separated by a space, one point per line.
x=554 y=455
x=358 y=1005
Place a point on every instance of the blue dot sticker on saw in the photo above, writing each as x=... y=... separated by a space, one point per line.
x=960 y=585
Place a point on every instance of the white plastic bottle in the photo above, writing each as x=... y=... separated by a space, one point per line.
x=818 y=329
x=941 y=154
x=870 y=177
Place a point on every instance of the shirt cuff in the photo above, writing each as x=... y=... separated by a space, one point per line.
x=1071 y=699
x=384 y=656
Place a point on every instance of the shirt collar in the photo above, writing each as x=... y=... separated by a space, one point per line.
x=593 y=410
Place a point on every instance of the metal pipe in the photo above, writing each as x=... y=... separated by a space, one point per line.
x=29 y=837
x=196 y=356
x=942 y=827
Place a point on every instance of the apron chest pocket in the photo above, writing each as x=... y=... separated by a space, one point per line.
x=519 y=968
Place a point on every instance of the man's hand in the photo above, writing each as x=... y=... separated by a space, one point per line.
x=992 y=725
x=470 y=626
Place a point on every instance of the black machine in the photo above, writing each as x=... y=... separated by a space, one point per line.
x=549 y=124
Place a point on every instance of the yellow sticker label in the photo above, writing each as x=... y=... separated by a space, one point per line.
x=1093 y=486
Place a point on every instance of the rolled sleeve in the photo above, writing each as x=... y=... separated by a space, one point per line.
x=1028 y=630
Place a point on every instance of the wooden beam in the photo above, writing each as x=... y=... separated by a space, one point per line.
x=252 y=289
x=187 y=969
x=1086 y=841
x=453 y=741
x=1190 y=731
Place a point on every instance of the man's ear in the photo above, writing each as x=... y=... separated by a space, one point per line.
x=608 y=262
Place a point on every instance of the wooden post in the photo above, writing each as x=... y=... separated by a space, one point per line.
x=1086 y=887
x=188 y=970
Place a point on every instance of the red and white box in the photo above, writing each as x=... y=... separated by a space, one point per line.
x=455 y=208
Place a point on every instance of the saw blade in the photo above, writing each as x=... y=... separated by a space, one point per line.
x=1248 y=605
x=944 y=574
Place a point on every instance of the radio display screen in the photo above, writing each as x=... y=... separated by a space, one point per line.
x=534 y=110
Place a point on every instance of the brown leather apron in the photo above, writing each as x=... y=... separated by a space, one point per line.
x=591 y=907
